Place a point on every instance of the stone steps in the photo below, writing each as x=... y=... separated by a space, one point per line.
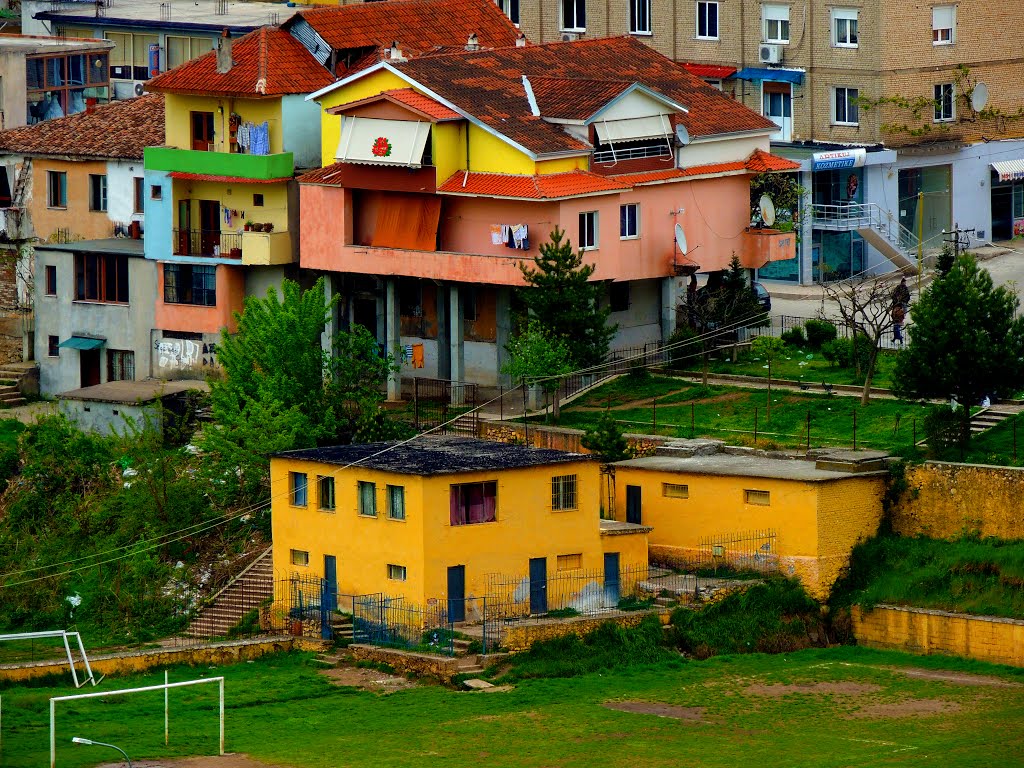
x=254 y=585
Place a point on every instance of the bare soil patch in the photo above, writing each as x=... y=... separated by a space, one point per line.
x=956 y=678
x=690 y=714
x=776 y=690
x=367 y=679
x=908 y=708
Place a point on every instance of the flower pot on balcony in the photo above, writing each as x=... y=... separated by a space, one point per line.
x=236 y=253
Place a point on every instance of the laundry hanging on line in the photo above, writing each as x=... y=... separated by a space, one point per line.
x=514 y=236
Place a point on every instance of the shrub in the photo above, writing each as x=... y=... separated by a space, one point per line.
x=944 y=429
x=819 y=332
x=838 y=352
x=688 y=349
x=794 y=337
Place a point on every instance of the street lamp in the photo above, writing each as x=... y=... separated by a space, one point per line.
x=90 y=742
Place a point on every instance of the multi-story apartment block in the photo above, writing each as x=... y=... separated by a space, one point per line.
x=931 y=92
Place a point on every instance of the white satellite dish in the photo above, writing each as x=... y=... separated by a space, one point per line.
x=979 y=97
x=682 y=135
x=681 y=239
x=767 y=210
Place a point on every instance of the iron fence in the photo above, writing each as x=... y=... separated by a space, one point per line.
x=450 y=405
x=207 y=242
x=745 y=550
x=393 y=622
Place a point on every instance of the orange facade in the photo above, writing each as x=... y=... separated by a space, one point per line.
x=75 y=215
x=204 y=319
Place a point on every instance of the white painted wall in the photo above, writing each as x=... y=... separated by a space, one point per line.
x=121 y=176
x=641 y=323
x=720 y=150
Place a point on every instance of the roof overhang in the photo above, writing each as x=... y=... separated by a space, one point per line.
x=772 y=75
x=1009 y=170
x=638 y=88
x=83 y=343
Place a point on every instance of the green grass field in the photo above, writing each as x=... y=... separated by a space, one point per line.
x=818 y=708
x=799 y=364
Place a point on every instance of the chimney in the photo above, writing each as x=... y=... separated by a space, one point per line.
x=224 y=52
x=521 y=40
x=473 y=43
x=395 y=53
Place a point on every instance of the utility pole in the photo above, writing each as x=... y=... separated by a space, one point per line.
x=954 y=238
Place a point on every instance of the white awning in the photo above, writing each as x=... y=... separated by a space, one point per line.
x=633 y=129
x=1009 y=170
x=382 y=142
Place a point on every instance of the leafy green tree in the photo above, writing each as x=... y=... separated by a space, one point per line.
x=564 y=301
x=606 y=440
x=536 y=357
x=768 y=348
x=966 y=340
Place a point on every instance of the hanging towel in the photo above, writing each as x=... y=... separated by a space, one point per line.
x=417 y=356
x=519 y=233
x=407 y=353
x=496 y=234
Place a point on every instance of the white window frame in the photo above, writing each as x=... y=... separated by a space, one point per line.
x=624 y=225
x=640 y=12
x=577 y=7
x=940 y=115
x=703 y=9
x=778 y=15
x=943 y=24
x=397 y=572
x=588 y=244
x=841 y=95
x=851 y=38
x=511 y=9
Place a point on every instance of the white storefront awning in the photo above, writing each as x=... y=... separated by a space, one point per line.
x=633 y=129
x=1009 y=170
x=382 y=142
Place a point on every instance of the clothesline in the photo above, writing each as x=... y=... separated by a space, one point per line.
x=511 y=236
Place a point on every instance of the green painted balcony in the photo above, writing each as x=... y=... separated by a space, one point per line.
x=279 y=166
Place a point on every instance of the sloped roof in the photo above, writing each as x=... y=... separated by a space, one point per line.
x=406 y=97
x=268 y=53
x=488 y=85
x=573 y=98
x=765 y=162
x=119 y=130
x=419 y=26
x=544 y=187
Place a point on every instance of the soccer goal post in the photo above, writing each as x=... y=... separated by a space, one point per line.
x=165 y=687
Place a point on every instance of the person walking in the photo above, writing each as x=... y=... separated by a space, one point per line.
x=901 y=295
x=898 y=315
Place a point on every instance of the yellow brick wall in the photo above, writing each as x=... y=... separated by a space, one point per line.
x=849 y=512
x=925 y=632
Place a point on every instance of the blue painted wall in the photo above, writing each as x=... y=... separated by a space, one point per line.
x=159 y=216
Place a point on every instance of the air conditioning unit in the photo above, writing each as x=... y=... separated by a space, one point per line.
x=770 y=54
x=568 y=37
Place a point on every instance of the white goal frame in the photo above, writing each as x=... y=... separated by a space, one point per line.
x=90 y=678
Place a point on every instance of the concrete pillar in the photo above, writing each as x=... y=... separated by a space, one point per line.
x=669 y=286
x=444 y=359
x=503 y=315
x=805 y=255
x=327 y=337
x=455 y=340
x=393 y=338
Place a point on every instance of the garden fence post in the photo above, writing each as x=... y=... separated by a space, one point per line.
x=416 y=402
x=692 y=430
x=855 y=430
x=808 y=430
x=755 y=426
x=654 y=414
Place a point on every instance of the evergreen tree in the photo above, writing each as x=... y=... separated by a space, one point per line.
x=565 y=303
x=606 y=440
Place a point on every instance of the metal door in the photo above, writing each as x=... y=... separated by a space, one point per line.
x=633 y=504
x=611 y=579
x=331 y=582
x=456 y=593
x=538 y=585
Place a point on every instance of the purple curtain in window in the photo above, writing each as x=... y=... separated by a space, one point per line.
x=490 y=491
x=456 y=517
x=473 y=498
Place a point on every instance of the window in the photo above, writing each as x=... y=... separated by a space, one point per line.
x=120 y=365
x=844 y=27
x=367 y=498
x=182 y=49
x=629 y=221
x=511 y=9
x=472 y=503
x=845 y=109
x=563 y=492
x=53 y=346
x=297 y=488
x=588 y=230
x=51 y=280
x=257 y=199
x=325 y=493
x=944 y=102
x=57 y=189
x=97 y=192
x=943 y=25
x=469 y=308
x=675 y=491
x=776 y=23
x=396 y=572
x=190 y=284
x=569 y=562
x=761 y=498
x=640 y=17
x=56 y=86
x=396 y=502
x=101 y=277
x=574 y=15
x=618 y=297
x=707 y=21
x=300 y=557
x=140 y=194
x=156 y=192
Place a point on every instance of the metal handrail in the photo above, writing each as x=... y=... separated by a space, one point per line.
x=867 y=214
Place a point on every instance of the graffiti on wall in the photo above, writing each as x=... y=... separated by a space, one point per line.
x=185 y=353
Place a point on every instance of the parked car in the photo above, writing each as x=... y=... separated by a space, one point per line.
x=763 y=297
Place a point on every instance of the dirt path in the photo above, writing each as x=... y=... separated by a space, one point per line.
x=207 y=761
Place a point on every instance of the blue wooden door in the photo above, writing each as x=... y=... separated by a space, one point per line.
x=456 y=593
x=538 y=585
x=331 y=583
x=633 y=504
x=611 y=578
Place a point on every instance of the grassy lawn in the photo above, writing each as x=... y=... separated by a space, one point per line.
x=799 y=364
x=996 y=446
x=10 y=429
x=818 y=708
x=728 y=413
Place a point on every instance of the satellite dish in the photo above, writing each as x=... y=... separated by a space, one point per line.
x=681 y=239
x=979 y=98
x=767 y=210
x=682 y=135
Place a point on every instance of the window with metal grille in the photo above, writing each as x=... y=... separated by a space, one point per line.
x=563 y=492
x=298 y=488
x=396 y=572
x=367 y=498
x=569 y=562
x=761 y=498
x=325 y=493
x=300 y=557
x=675 y=490
x=120 y=365
x=396 y=502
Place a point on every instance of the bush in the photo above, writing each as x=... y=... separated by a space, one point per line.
x=794 y=337
x=840 y=352
x=819 y=332
x=945 y=429
x=688 y=350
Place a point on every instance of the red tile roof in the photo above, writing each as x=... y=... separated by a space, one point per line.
x=488 y=85
x=710 y=70
x=267 y=54
x=407 y=97
x=546 y=187
x=329 y=175
x=419 y=26
x=117 y=130
x=573 y=99
x=765 y=162
x=758 y=162
x=233 y=179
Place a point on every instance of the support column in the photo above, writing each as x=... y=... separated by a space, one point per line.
x=457 y=345
x=503 y=323
x=327 y=337
x=444 y=334
x=393 y=339
x=805 y=255
x=669 y=298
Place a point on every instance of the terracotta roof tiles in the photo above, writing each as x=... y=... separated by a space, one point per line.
x=546 y=187
x=573 y=99
x=765 y=162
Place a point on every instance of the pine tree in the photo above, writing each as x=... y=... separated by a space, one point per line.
x=565 y=303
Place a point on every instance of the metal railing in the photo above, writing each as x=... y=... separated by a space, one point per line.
x=437 y=402
x=633 y=153
x=207 y=242
x=846 y=217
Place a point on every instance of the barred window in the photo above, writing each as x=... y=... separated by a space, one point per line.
x=675 y=490
x=761 y=498
x=120 y=365
x=563 y=492
x=325 y=493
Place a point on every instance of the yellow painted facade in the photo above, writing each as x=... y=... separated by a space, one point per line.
x=448 y=148
x=425 y=544
x=235 y=196
x=363 y=88
x=489 y=154
x=178 y=109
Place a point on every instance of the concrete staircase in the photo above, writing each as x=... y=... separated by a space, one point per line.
x=12 y=385
x=245 y=592
x=987 y=418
